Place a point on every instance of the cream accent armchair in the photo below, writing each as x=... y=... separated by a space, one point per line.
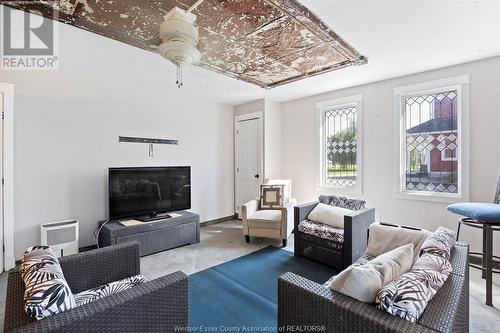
x=267 y=223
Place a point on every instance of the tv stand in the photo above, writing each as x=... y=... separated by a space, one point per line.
x=154 y=217
x=183 y=228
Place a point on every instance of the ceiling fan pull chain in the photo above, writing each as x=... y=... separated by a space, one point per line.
x=179 y=76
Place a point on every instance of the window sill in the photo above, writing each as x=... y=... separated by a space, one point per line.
x=434 y=197
x=352 y=191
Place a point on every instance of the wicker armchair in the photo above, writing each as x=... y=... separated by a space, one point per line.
x=303 y=304
x=159 y=305
x=329 y=252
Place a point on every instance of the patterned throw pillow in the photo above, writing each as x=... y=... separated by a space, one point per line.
x=271 y=196
x=407 y=296
x=46 y=291
x=439 y=243
x=96 y=293
x=363 y=282
x=343 y=202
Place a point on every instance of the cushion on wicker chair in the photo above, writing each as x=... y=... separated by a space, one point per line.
x=363 y=282
x=408 y=295
x=322 y=231
x=385 y=238
x=343 y=202
x=107 y=289
x=46 y=290
x=439 y=243
x=329 y=215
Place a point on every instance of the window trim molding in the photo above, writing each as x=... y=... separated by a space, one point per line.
x=460 y=83
x=320 y=173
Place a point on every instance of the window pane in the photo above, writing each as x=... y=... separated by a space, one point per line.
x=341 y=147
x=431 y=142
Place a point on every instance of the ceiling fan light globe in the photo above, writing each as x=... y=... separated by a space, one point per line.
x=178 y=30
x=179 y=53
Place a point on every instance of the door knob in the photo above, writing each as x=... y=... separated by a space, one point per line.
x=256 y=176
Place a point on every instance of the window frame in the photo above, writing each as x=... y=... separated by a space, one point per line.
x=321 y=173
x=460 y=83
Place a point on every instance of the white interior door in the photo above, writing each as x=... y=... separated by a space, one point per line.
x=248 y=165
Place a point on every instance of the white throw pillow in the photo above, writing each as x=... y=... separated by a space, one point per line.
x=385 y=238
x=363 y=282
x=330 y=215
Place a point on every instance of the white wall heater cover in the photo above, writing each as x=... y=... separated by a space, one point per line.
x=61 y=236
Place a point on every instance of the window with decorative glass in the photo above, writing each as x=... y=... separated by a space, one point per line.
x=431 y=141
x=431 y=134
x=339 y=165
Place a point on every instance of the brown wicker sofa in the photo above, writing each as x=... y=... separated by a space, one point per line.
x=160 y=305
x=304 y=304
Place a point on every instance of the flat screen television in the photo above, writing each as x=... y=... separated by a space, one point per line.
x=148 y=193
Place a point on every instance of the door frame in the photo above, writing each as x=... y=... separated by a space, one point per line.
x=7 y=91
x=237 y=119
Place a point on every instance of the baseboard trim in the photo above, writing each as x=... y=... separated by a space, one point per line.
x=87 y=248
x=219 y=220
x=475 y=259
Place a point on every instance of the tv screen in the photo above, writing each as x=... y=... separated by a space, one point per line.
x=148 y=191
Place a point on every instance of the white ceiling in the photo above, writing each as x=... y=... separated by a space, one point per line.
x=398 y=37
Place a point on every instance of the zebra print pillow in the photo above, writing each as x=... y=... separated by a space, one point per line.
x=46 y=291
x=407 y=296
x=343 y=202
x=96 y=293
x=439 y=243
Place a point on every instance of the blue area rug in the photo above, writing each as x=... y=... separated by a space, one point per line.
x=241 y=294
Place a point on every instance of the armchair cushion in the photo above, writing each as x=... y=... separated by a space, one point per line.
x=329 y=215
x=363 y=282
x=271 y=196
x=46 y=290
x=322 y=231
x=96 y=293
x=384 y=238
x=407 y=296
x=287 y=187
x=439 y=243
x=266 y=215
x=343 y=202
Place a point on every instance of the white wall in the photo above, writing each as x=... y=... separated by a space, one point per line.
x=250 y=107
x=272 y=139
x=67 y=124
x=63 y=148
x=299 y=145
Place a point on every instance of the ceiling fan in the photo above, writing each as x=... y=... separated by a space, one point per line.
x=179 y=35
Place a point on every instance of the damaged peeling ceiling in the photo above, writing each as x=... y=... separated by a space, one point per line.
x=264 y=42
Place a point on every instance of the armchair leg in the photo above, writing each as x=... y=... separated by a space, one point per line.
x=284 y=242
x=247 y=238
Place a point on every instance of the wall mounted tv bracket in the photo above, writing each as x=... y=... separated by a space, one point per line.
x=150 y=141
